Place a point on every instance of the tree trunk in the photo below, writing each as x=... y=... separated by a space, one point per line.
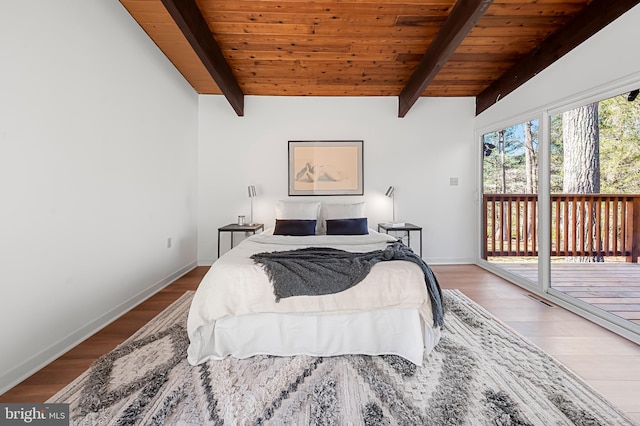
x=581 y=150
x=581 y=139
x=502 y=169
x=531 y=169
x=530 y=161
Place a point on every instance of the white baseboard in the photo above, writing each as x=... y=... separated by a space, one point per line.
x=38 y=361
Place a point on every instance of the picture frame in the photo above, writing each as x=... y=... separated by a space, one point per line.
x=326 y=167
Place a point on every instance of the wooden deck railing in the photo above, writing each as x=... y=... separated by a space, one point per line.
x=584 y=225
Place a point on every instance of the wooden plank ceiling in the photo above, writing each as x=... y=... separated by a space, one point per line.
x=404 y=48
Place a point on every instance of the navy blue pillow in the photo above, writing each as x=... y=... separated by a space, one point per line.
x=295 y=227
x=356 y=226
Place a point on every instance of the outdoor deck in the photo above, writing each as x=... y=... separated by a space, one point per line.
x=589 y=225
x=610 y=286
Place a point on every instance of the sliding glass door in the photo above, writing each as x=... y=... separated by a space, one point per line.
x=561 y=207
x=595 y=207
x=510 y=199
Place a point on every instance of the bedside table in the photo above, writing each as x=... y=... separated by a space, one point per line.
x=234 y=227
x=407 y=227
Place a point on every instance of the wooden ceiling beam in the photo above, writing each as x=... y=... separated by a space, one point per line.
x=463 y=17
x=595 y=16
x=189 y=19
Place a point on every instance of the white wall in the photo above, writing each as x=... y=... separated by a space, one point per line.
x=608 y=58
x=417 y=154
x=98 y=157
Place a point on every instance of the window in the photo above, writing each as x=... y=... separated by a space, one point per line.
x=510 y=187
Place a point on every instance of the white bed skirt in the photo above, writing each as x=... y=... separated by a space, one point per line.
x=385 y=331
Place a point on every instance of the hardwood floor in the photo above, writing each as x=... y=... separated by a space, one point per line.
x=611 y=286
x=606 y=361
x=609 y=363
x=46 y=382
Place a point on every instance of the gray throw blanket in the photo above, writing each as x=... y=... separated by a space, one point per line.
x=316 y=271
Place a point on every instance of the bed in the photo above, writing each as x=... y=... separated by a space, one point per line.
x=235 y=313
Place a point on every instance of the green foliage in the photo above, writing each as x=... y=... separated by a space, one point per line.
x=514 y=160
x=619 y=146
x=557 y=154
x=619 y=123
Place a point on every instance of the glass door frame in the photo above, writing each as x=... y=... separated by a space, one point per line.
x=533 y=287
x=543 y=287
x=605 y=319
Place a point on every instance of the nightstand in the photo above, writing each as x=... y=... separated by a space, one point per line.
x=407 y=227
x=234 y=227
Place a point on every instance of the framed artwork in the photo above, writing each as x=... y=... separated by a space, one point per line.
x=325 y=168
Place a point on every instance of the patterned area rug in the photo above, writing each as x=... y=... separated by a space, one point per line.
x=480 y=373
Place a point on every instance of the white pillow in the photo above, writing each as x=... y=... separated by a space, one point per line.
x=339 y=211
x=297 y=209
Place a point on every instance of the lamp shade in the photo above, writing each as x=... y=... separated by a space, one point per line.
x=391 y=194
x=390 y=191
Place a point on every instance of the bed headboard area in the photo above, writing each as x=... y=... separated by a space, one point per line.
x=342 y=217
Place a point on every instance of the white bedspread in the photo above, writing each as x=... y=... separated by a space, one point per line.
x=236 y=289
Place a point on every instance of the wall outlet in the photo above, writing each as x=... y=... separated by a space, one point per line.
x=169 y=242
x=453 y=181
